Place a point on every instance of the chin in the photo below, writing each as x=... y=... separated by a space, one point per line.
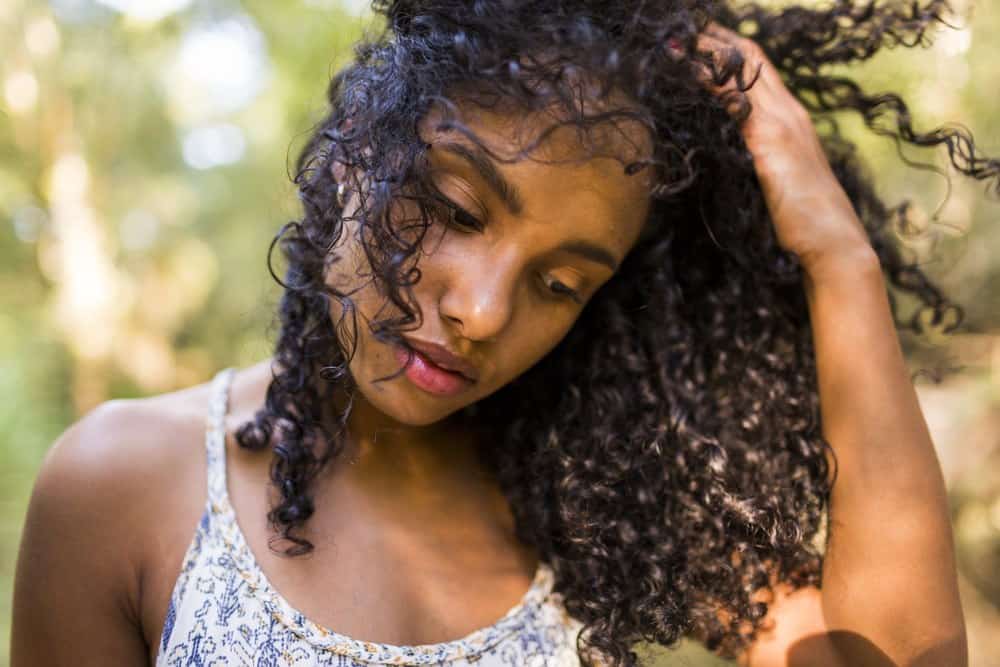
x=400 y=401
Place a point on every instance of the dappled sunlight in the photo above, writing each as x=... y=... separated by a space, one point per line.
x=144 y=160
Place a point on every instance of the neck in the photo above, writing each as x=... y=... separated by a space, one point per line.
x=424 y=473
x=426 y=483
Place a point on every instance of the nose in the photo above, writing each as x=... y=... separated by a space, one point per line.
x=479 y=298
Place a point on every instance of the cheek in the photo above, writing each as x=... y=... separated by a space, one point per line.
x=342 y=277
x=347 y=274
x=535 y=335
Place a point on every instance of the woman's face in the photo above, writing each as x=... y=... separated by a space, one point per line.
x=500 y=298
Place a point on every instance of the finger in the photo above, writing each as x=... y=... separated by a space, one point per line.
x=719 y=52
x=759 y=73
x=757 y=63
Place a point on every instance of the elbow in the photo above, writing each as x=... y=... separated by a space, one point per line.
x=946 y=646
x=946 y=651
x=951 y=651
x=903 y=647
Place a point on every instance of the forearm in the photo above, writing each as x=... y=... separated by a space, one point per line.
x=889 y=572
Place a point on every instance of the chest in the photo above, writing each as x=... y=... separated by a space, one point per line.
x=364 y=579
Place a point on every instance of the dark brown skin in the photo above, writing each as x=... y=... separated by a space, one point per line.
x=483 y=294
x=118 y=496
x=889 y=573
x=110 y=579
x=120 y=493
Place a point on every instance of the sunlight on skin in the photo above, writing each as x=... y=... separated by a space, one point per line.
x=482 y=294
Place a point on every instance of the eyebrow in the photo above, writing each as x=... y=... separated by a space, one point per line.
x=507 y=191
x=588 y=250
x=512 y=199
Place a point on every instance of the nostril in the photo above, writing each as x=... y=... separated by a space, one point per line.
x=454 y=320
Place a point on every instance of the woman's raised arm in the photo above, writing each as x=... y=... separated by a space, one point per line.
x=890 y=589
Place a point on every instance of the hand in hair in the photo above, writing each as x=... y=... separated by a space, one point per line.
x=812 y=215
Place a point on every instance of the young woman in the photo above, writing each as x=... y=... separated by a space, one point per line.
x=584 y=331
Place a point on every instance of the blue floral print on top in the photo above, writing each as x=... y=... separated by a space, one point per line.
x=223 y=611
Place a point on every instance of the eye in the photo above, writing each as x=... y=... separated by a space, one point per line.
x=456 y=216
x=462 y=218
x=562 y=289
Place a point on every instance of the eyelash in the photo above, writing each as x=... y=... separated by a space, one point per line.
x=563 y=289
x=455 y=210
x=473 y=221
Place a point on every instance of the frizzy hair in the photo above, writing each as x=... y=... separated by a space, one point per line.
x=666 y=458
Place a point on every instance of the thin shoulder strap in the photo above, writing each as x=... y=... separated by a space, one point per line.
x=215 y=437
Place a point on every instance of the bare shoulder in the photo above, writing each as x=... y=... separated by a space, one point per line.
x=119 y=486
x=130 y=455
x=122 y=441
x=793 y=632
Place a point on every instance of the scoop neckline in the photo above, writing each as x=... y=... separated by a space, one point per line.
x=473 y=643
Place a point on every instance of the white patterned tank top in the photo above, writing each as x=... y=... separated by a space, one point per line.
x=223 y=610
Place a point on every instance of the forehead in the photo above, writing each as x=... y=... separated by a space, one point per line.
x=554 y=162
x=544 y=135
x=572 y=184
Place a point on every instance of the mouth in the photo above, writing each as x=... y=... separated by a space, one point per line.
x=430 y=376
x=442 y=356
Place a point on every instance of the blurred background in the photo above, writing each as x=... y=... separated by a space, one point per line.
x=145 y=153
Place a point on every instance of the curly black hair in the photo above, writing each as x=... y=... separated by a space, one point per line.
x=680 y=464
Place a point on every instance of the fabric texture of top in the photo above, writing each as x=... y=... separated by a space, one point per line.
x=223 y=610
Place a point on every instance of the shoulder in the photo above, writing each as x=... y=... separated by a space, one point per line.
x=794 y=631
x=106 y=498
x=118 y=468
x=124 y=438
x=126 y=450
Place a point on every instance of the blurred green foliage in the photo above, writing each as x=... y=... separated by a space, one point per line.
x=144 y=168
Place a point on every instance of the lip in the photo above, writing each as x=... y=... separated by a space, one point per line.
x=443 y=357
x=424 y=373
